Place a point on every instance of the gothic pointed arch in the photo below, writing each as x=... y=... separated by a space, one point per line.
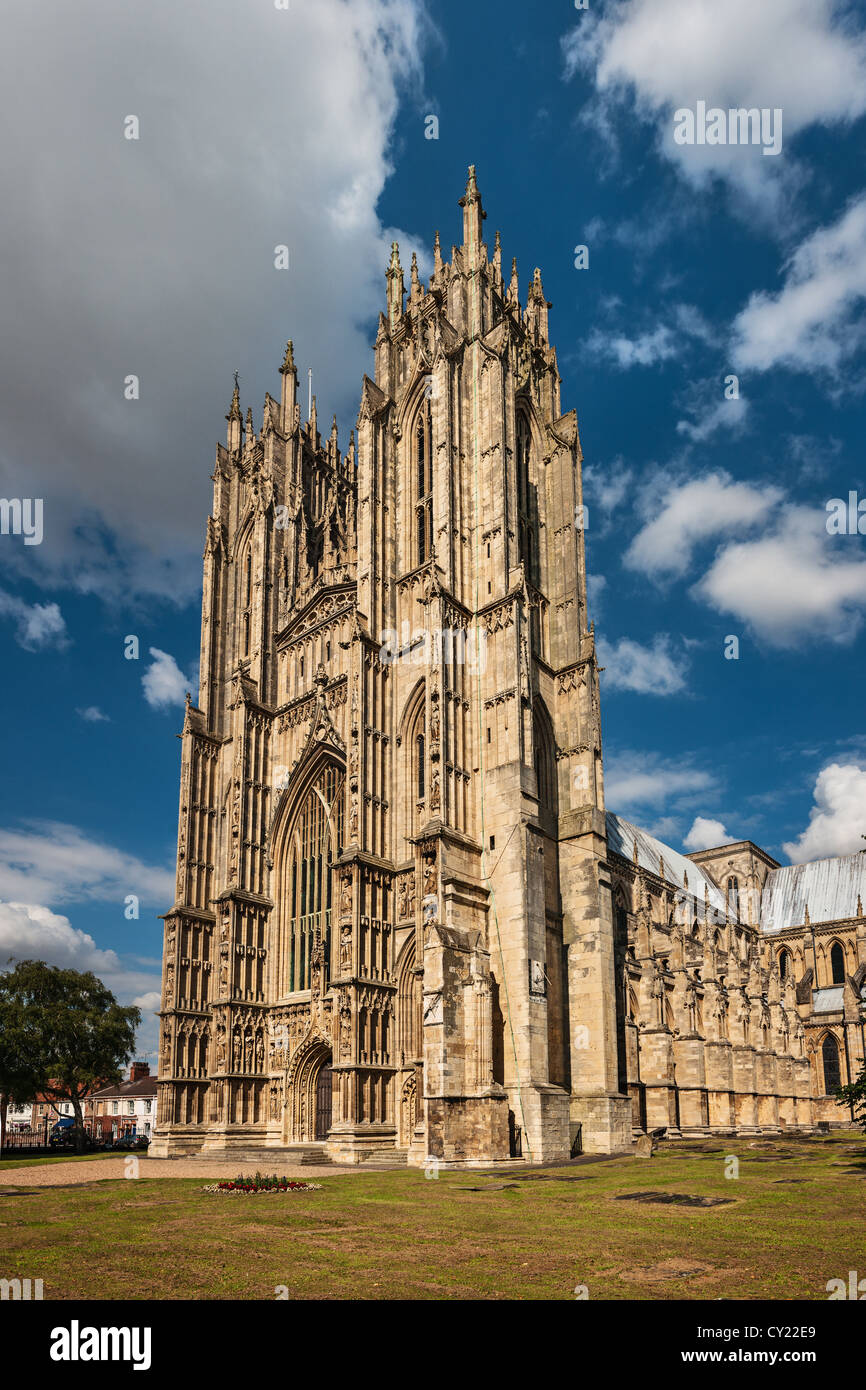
x=409 y=1043
x=415 y=757
x=302 y=1089
x=830 y=1064
x=545 y=762
x=306 y=841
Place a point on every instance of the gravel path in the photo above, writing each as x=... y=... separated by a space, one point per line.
x=76 y=1174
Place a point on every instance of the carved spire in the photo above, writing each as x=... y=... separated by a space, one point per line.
x=473 y=213
x=497 y=258
x=289 y=389
x=233 y=434
x=415 y=291
x=513 y=295
x=437 y=257
x=396 y=288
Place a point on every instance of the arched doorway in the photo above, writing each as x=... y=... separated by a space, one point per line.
x=324 y=1102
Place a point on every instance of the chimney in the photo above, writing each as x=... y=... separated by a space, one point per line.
x=139 y=1070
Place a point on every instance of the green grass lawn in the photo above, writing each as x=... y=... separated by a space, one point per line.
x=791 y=1221
x=22 y=1160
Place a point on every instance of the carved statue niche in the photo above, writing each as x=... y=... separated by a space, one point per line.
x=345 y=950
x=430 y=884
x=346 y=893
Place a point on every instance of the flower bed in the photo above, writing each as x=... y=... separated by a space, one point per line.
x=258 y=1184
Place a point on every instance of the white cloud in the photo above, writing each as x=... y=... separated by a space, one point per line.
x=103 y=229
x=55 y=863
x=39 y=626
x=694 y=512
x=92 y=714
x=634 y=781
x=660 y=344
x=708 y=417
x=812 y=323
x=806 y=56
x=32 y=932
x=149 y=1001
x=647 y=670
x=706 y=834
x=164 y=682
x=793 y=583
x=837 y=820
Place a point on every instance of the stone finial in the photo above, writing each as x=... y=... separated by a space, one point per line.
x=806 y=918
x=235 y=407
x=473 y=213
x=289 y=359
x=396 y=289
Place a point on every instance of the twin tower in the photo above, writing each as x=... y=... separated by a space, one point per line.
x=392 y=937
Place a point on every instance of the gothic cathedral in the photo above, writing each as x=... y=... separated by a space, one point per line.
x=404 y=928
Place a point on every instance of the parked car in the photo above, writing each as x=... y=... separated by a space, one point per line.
x=62 y=1136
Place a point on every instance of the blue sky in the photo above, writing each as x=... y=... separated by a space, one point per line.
x=707 y=516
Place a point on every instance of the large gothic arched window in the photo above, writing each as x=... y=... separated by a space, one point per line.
x=312 y=846
x=524 y=518
x=837 y=964
x=246 y=604
x=422 y=468
x=832 y=1070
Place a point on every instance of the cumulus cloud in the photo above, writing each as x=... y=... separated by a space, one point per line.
x=706 y=834
x=38 y=626
x=51 y=862
x=657 y=56
x=29 y=931
x=32 y=932
x=691 y=513
x=659 y=344
x=792 y=583
x=164 y=682
x=153 y=254
x=656 y=669
x=92 y=714
x=814 y=322
x=636 y=781
x=710 y=415
x=837 y=818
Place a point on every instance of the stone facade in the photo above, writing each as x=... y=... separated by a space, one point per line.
x=399 y=926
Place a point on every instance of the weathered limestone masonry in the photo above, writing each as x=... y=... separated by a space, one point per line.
x=404 y=927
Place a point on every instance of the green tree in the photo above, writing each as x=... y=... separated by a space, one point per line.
x=22 y=1068
x=855 y=1097
x=72 y=1029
